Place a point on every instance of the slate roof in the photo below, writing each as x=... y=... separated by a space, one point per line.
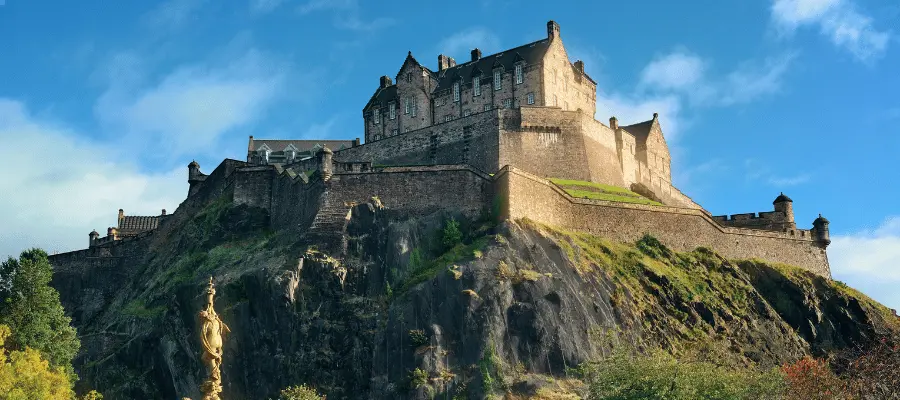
x=301 y=145
x=138 y=223
x=530 y=53
x=382 y=96
x=640 y=131
x=781 y=199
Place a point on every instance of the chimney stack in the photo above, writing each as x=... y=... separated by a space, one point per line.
x=451 y=62
x=385 y=81
x=164 y=212
x=579 y=65
x=443 y=62
x=552 y=30
x=614 y=123
x=476 y=54
x=355 y=142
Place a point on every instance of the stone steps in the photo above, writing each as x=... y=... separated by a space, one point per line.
x=327 y=229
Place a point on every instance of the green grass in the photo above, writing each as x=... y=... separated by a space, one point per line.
x=137 y=308
x=599 y=191
x=425 y=270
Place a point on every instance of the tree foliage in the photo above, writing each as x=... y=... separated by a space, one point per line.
x=623 y=376
x=25 y=375
x=301 y=392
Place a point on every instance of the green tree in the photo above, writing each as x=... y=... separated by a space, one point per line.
x=452 y=234
x=26 y=375
x=31 y=309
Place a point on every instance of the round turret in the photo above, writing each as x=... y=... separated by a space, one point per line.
x=785 y=205
x=820 y=226
x=782 y=199
x=93 y=238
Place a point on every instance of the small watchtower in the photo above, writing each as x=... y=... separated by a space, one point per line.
x=93 y=238
x=820 y=230
x=785 y=205
x=195 y=177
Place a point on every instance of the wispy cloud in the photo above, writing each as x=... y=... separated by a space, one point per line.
x=760 y=172
x=677 y=70
x=68 y=196
x=868 y=260
x=191 y=107
x=839 y=20
x=460 y=43
x=348 y=14
x=171 y=14
x=265 y=6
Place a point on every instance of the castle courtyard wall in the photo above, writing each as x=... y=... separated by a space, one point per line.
x=682 y=229
x=253 y=186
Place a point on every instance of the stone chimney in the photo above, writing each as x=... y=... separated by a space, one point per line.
x=443 y=62
x=552 y=30
x=163 y=212
x=121 y=216
x=476 y=54
x=579 y=65
x=451 y=62
x=325 y=163
x=385 y=82
x=355 y=142
x=614 y=123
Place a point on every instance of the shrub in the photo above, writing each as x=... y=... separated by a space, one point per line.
x=417 y=337
x=301 y=392
x=812 y=379
x=661 y=376
x=452 y=234
x=417 y=378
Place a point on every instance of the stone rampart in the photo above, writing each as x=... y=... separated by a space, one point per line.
x=683 y=229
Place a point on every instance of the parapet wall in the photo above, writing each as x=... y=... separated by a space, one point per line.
x=682 y=229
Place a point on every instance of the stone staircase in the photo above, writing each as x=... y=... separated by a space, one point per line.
x=328 y=227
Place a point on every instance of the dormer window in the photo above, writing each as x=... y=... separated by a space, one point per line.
x=376 y=116
x=264 y=154
x=497 y=81
x=476 y=86
x=519 y=77
x=456 y=91
x=392 y=110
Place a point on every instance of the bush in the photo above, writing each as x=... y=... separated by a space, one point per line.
x=417 y=337
x=418 y=378
x=812 y=379
x=301 y=392
x=660 y=376
x=452 y=234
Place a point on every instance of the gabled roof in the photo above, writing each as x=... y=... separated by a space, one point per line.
x=301 y=145
x=131 y=223
x=640 y=131
x=529 y=53
x=382 y=96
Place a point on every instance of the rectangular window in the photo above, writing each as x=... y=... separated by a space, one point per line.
x=487 y=107
x=414 y=106
x=518 y=73
x=406 y=105
x=393 y=111
x=393 y=132
x=456 y=91
x=497 y=82
x=447 y=118
x=507 y=103
x=376 y=116
x=409 y=76
x=530 y=98
x=476 y=86
x=466 y=113
x=406 y=130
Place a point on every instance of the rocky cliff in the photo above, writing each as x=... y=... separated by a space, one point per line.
x=403 y=307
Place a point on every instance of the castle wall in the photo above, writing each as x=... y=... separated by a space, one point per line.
x=562 y=86
x=294 y=202
x=253 y=186
x=444 y=106
x=418 y=190
x=681 y=229
x=472 y=140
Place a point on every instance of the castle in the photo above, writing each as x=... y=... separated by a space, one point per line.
x=513 y=133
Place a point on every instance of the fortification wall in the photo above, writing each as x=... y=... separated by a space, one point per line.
x=252 y=185
x=471 y=140
x=87 y=279
x=682 y=229
x=294 y=201
x=418 y=190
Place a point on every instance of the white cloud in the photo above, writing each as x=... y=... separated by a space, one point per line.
x=751 y=81
x=633 y=109
x=869 y=260
x=461 y=43
x=347 y=14
x=191 y=107
x=760 y=171
x=839 y=20
x=678 y=70
x=70 y=186
x=172 y=14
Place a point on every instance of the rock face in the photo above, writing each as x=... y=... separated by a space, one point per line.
x=408 y=312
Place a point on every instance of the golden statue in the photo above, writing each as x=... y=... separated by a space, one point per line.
x=211 y=332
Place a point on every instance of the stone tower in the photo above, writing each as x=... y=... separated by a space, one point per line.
x=820 y=227
x=785 y=205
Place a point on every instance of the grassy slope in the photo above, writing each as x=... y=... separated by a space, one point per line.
x=599 y=191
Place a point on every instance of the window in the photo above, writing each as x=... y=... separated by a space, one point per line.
x=476 y=86
x=447 y=118
x=555 y=101
x=406 y=105
x=414 y=106
x=530 y=98
x=406 y=130
x=393 y=110
x=376 y=116
x=507 y=103
x=393 y=132
x=466 y=113
x=456 y=91
x=518 y=73
x=497 y=83
x=409 y=76
x=487 y=107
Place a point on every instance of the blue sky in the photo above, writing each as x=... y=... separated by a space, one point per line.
x=103 y=107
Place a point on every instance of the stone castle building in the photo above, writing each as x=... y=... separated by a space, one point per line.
x=496 y=133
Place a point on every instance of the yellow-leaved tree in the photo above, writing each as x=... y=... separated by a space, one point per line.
x=25 y=375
